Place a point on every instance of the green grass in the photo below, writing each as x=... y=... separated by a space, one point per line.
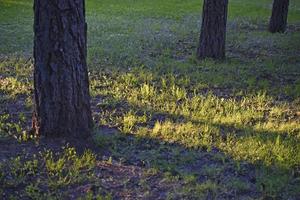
x=51 y=171
x=212 y=129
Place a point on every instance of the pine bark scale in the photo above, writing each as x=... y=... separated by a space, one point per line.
x=61 y=85
x=213 y=29
x=278 y=20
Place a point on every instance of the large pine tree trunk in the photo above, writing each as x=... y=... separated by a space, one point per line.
x=213 y=30
x=278 y=20
x=61 y=85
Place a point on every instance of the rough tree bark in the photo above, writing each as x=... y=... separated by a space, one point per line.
x=61 y=86
x=278 y=20
x=213 y=30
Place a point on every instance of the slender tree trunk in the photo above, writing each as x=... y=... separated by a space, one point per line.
x=278 y=20
x=61 y=86
x=213 y=30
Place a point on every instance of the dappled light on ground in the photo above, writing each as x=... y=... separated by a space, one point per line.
x=166 y=125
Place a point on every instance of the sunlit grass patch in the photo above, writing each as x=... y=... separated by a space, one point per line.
x=13 y=87
x=14 y=127
x=15 y=77
x=249 y=115
x=189 y=135
x=268 y=149
x=247 y=126
x=46 y=172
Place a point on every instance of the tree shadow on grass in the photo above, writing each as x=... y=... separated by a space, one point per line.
x=199 y=173
x=235 y=168
x=192 y=168
x=232 y=178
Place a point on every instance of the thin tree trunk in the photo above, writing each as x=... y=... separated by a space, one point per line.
x=61 y=86
x=213 y=30
x=278 y=20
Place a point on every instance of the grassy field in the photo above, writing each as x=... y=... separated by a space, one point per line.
x=166 y=125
